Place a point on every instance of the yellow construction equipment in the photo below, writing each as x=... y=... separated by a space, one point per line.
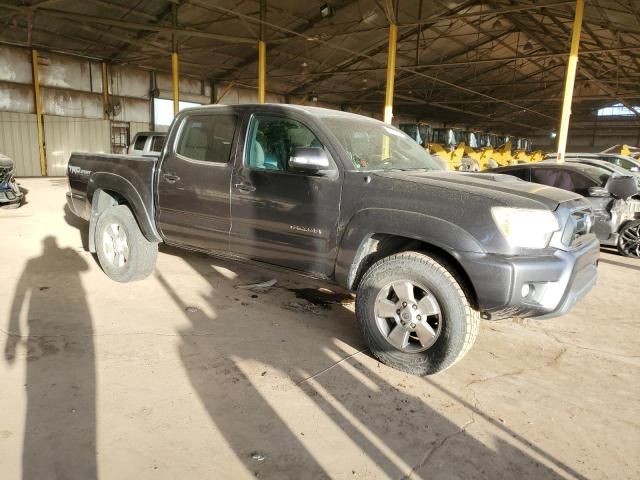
x=626 y=150
x=522 y=156
x=502 y=155
x=452 y=157
x=471 y=150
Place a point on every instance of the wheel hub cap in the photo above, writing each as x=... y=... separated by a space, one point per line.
x=630 y=241
x=115 y=245
x=408 y=316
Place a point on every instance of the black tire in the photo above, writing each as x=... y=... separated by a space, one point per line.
x=11 y=206
x=629 y=239
x=460 y=323
x=142 y=253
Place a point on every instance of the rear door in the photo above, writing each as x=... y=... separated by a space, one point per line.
x=281 y=216
x=194 y=180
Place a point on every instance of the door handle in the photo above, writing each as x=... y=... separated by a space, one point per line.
x=245 y=187
x=170 y=177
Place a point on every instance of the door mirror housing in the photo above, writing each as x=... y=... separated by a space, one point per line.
x=599 y=192
x=635 y=169
x=623 y=187
x=309 y=159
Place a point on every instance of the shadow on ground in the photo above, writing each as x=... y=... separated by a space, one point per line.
x=288 y=395
x=400 y=432
x=60 y=383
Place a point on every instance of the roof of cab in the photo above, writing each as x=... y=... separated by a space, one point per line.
x=316 y=111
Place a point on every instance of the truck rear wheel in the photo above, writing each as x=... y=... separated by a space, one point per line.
x=125 y=255
x=414 y=314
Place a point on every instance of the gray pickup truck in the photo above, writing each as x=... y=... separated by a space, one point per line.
x=353 y=201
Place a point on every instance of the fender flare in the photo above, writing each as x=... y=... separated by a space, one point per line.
x=101 y=181
x=357 y=238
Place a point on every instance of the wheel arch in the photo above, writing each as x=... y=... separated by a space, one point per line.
x=361 y=247
x=105 y=190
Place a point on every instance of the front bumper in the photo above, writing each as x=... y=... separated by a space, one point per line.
x=555 y=281
x=10 y=193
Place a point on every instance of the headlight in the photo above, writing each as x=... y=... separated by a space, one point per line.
x=525 y=227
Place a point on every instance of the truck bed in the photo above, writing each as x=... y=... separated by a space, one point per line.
x=132 y=176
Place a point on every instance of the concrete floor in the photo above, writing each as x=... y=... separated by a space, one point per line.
x=183 y=375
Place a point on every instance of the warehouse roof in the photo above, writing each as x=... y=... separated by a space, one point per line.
x=496 y=61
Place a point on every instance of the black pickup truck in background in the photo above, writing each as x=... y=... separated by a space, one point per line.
x=351 y=200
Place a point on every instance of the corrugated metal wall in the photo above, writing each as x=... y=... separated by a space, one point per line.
x=64 y=135
x=19 y=140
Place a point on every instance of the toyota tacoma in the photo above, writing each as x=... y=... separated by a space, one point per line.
x=353 y=201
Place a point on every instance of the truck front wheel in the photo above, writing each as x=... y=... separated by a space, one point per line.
x=414 y=314
x=124 y=253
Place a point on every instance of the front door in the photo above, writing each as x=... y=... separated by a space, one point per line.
x=281 y=216
x=194 y=181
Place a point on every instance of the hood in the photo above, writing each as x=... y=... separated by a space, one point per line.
x=504 y=189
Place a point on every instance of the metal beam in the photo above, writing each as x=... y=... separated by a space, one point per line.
x=105 y=90
x=570 y=80
x=175 y=75
x=262 y=55
x=38 y=107
x=542 y=40
x=127 y=25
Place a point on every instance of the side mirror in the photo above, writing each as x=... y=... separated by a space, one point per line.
x=635 y=169
x=598 y=192
x=309 y=159
x=623 y=187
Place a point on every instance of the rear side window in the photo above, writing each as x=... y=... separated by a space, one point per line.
x=207 y=138
x=139 y=143
x=157 y=142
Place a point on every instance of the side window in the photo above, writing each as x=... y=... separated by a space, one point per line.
x=624 y=163
x=272 y=140
x=139 y=143
x=521 y=173
x=157 y=142
x=207 y=138
x=564 y=179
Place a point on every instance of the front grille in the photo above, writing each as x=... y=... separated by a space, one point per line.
x=578 y=226
x=5 y=174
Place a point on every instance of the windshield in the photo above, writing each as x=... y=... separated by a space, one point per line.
x=372 y=145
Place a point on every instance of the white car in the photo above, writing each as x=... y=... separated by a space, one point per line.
x=147 y=144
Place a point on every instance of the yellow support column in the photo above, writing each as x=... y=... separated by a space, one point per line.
x=391 y=73
x=175 y=81
x=36 y=98
x=262 y=55
x=105 y=90
x=262 y=71
x=569 y=81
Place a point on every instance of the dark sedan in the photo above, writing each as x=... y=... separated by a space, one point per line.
x=614 y=198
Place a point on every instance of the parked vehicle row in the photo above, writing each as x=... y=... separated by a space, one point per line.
x=612 y=191
x=353 y=201
x=10 y=194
